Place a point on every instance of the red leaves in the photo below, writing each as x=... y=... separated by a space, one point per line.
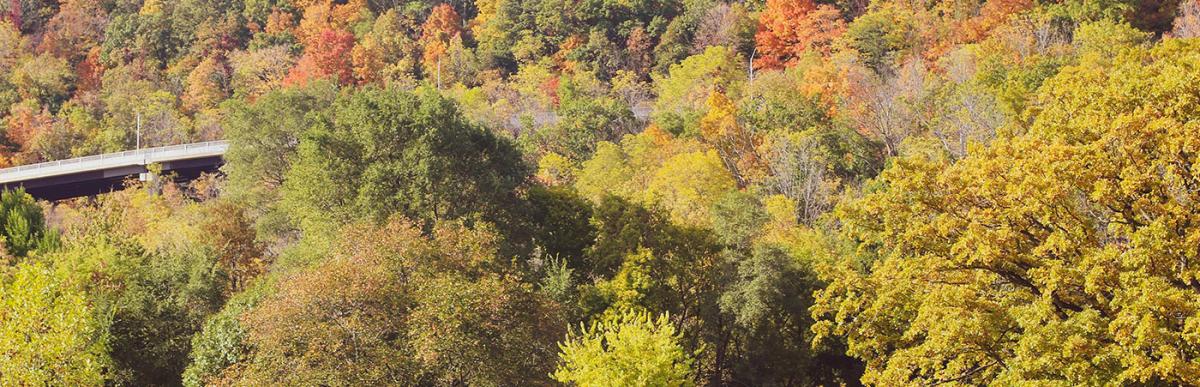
x=788 y=28
x=328 y=56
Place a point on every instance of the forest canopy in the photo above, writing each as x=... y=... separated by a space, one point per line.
x=607 y=193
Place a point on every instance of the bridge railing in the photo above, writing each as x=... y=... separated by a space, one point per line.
x=106 y=156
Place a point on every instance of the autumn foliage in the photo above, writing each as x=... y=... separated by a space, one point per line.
x=605 y=193
x=789 y=28
x=440 y=30
x=328 y=57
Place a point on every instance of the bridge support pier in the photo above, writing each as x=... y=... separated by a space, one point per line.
x=150 y=181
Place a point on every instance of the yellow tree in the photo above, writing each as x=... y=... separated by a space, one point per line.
x=1065 y=253
x=688 y=184
x=734 y=143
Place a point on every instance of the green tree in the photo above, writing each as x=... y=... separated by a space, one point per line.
x=633 y=349
x=263 y=139
x=156 y=302
x=384 y=151
x=560 y=219
x=683 y=92
x=584 y=119
x=23 y=225
x=45 y=79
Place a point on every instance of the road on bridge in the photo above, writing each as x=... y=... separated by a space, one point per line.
x=85 y=176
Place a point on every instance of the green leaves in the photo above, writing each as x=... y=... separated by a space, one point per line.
x=385 y=152
x=22 y=224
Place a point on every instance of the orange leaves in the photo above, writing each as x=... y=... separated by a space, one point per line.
x=208 y=83
x=279 y=21
x=323 y=15
x=327 y=56
x=88 y=72
x=789 y=28
x=26 y=123
x=992 y=15
x=441 y=28
x=77 y=27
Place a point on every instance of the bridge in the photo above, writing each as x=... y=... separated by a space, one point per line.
x=85 y=176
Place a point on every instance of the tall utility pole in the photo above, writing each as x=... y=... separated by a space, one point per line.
x=139 y=130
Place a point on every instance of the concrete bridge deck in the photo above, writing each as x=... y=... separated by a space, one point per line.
x=92 y=175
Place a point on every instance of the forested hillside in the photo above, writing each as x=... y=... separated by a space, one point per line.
x=608 y=193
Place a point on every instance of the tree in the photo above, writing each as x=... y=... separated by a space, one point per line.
x=221 y=342
x=688 y=184
x=45 y=79
x=880 y=37
x=23 y=224
x=231 y=235
x=258 y=71
x=75 y=30
x=49 y=331
x=397 y=152
x=728 y=25
x=584 y=119
x=1187 y=23
x=327 y=56
x=263 y=139
x=208 y=84
x=560 y=220
x=789 y=28
x=682 y=94
x=143 y=265
x=633 y=349
x=736 y=145
x=441 y=28
x=386 y=54
x=892 y=108
x=339 y=322
x=391 y=306
x=1054 y=254
x=992 y=14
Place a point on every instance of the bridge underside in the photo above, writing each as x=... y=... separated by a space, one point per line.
x=113 y=179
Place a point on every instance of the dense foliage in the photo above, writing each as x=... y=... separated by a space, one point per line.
x=593 y=193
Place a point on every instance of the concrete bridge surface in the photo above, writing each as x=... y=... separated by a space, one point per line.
x=91 y=175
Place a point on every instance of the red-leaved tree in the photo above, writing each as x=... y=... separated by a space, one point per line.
x=327 y=56
x=789 y=28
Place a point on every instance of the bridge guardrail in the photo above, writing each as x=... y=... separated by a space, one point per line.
x=146 y=155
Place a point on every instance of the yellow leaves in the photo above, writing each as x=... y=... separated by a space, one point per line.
x=151 y=7
x=737 y=146
x=652 y=169
x=321 y=15
x=1068 y=252
x=382 y=55
x=554 y=169
x=688 y=184
x=607 y=172
x=721 y=119
x=628 y=169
